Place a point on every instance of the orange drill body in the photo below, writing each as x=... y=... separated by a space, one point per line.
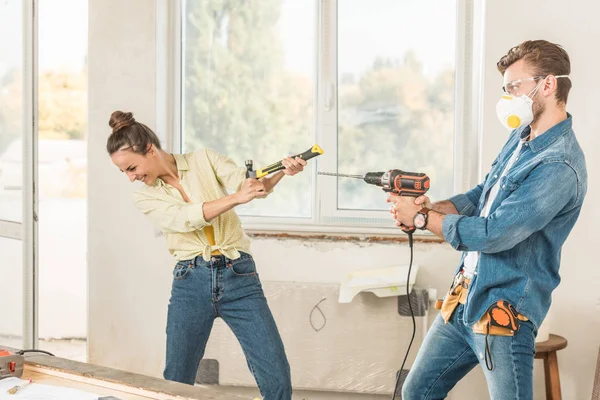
x=400 y=182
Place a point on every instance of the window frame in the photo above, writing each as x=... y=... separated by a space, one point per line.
x=326 y=218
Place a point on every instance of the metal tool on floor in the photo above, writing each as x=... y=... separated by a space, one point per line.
x=11 y=364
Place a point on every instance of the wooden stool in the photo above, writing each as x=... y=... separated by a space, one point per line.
x=547 y=352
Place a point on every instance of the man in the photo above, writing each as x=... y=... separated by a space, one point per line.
x=511 y=229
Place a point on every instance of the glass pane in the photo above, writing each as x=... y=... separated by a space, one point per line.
x=62 y=172
x=11 y=131
x=11 y=272
x=248 y=87
x=395 y=94
x=11 y=115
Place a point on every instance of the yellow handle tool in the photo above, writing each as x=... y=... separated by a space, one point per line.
x=307 y=155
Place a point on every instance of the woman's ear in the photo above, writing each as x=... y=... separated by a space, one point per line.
x=151 y=150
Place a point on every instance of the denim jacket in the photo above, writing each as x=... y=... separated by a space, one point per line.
x=520 y=242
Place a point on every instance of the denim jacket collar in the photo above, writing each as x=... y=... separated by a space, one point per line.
x=550 y=136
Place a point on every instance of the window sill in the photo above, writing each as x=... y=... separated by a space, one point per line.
x=340 y=237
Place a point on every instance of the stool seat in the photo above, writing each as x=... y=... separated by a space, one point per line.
x=547 y=351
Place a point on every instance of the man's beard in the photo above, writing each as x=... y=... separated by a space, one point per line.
x=537 y=109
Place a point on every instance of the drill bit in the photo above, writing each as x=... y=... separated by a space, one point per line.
x=341 y=175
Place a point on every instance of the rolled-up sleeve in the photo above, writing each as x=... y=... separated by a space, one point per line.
x=541 y=196
x=171 y=216
x=463 y=204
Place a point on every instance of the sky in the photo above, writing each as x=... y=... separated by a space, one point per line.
x=371 y=28
x=367 y=29
x=62 y=34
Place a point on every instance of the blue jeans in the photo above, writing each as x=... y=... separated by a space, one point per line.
x=230 y=289
x=451 y=350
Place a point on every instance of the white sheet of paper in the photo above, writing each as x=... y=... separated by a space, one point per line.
x=38 y=391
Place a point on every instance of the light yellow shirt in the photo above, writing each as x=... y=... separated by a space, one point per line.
x=204 y=175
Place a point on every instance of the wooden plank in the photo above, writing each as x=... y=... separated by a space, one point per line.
x=48 y=379
x=131 y=384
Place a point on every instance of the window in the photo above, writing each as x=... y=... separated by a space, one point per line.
x=43 y=111
x=373 y=83
x=248 y=88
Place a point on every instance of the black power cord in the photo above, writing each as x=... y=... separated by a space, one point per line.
x=412 y=314
x=21 y=352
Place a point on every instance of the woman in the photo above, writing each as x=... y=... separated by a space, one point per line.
x=215 y=276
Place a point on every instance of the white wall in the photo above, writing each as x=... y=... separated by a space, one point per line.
x=129 y=268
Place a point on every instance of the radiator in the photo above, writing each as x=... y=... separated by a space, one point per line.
x=355 y=347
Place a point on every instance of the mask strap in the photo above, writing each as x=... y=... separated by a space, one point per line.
x=535 y=89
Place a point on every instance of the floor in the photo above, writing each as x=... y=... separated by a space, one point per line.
x=310 y=395
x=72 y=349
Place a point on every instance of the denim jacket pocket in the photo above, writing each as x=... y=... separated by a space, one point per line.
x=182 y=270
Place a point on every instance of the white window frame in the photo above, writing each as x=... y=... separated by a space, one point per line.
x=27 y=230
x=326 y=218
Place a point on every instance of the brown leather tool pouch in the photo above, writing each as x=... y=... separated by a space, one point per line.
x=500 y=319
x=456 y=295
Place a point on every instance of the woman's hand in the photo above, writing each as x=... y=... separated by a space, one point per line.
x=293 y=165
x=251 y=189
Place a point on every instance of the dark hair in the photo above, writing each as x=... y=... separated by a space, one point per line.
x=128 y=134
x=546 y=59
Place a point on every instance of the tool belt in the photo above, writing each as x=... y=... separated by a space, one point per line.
x=500 y=319
x=456 y=294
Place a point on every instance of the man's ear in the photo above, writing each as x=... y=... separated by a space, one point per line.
x=550 y=85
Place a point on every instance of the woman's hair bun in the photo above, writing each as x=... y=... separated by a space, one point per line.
x=120 y=119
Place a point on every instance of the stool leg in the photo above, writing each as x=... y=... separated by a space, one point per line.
x=552 y=376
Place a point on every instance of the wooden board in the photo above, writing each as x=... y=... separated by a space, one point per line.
x=123 y=385
x=38 y=375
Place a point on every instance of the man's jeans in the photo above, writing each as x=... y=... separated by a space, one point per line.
x=451 y=350
x=230 y=289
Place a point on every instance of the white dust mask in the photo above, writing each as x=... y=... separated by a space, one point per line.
x=515 y=112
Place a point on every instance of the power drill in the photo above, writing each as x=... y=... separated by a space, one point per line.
x=400 y=182
x=396 y=181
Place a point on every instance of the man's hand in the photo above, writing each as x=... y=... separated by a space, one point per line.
x=404 y=209
x=293 y=165
x=251 y=189
x=424 y=201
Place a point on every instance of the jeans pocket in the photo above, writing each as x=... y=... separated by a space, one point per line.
x=243 y=266
x=182 y=270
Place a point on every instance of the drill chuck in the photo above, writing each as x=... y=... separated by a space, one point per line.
x=374 y=178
